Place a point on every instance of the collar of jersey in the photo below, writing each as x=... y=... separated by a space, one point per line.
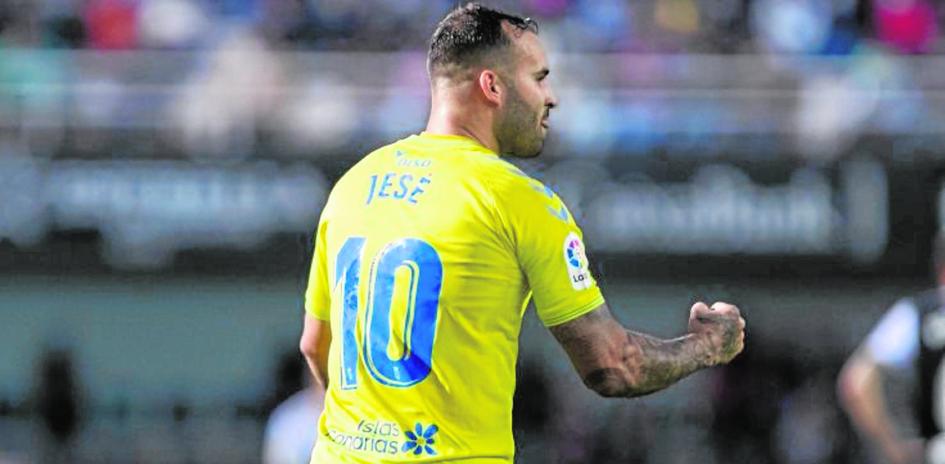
x=458 y=140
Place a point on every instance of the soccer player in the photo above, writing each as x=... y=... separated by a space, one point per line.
x=909 y=337
x=428 y=251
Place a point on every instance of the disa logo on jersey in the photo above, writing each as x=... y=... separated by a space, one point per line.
x=576 y=262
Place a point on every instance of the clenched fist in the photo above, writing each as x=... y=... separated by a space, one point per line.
x=721 y=328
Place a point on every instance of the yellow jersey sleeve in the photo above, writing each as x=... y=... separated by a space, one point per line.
x=318 y=293
x=549 y=247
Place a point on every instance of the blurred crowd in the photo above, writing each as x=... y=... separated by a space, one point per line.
x=226 y=79
x=700 y=26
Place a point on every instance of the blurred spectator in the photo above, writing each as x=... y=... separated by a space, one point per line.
x=218 y=110
x=724 y=25
x=19 y=24
x=237 y=10
x=679 y=16
x=836 y=109
x=63 y=23
x=339 y=23
x=908 y=26
x=29 y=96
x=171 y=23
x=112 y=24
x=324 y=114
x=719 y=26
x=786 y=26
x=605 y=24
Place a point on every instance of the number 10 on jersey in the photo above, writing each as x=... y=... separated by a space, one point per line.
x=425 y=271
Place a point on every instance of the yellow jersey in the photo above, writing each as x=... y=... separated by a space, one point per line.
x=426 y=255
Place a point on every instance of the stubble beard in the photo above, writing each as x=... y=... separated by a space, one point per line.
x=519 y=131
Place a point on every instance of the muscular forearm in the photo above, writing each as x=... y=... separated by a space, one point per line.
x=614 y=361
x=648 y=364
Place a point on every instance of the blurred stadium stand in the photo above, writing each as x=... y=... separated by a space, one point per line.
x=163 y=163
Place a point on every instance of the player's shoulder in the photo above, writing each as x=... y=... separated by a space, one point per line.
x=368 y=163
x=346 y=186
x=373 y=158
x=507 y=178
x=530 y=198
x=513 y=185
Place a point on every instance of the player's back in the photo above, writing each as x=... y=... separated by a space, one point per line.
x=426 y=299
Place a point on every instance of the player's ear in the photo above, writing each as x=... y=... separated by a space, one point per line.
x=490 y=86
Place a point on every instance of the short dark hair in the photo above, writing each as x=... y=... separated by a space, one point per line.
x=467 y=34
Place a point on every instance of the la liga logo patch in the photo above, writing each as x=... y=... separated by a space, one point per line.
x=574 y=253
x=576 y=261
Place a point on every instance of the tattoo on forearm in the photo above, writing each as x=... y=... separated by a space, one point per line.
x=630 y=363
x=648 y=364
x=662 y=362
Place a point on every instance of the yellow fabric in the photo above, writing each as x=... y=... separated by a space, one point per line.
x=448 y=241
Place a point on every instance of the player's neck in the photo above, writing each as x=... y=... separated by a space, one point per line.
x=446 y=119
x=464 y=131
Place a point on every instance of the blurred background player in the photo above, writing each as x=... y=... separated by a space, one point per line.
x=428 y=251
x=909 y=338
